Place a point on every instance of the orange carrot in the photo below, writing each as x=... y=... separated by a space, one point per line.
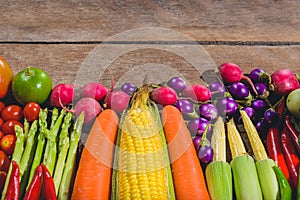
x=187 y=174
x=93 y=178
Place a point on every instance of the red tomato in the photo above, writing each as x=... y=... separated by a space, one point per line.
x=9 y=126
x=31 y=111
x=7 y=143
x=12 y=112
x=4 y=161
x=1 y=134
x=2 y=179
x=2 y=106
x=1 y=122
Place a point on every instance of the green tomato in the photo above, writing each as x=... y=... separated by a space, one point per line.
x=293 y=103
x=31 y=85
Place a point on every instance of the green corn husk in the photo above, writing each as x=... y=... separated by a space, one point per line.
x=264 y=165
x=246 y=183
x=218 y=173
x=219 y=180
x=133 y=165
x=266 y=176
x=245 y=178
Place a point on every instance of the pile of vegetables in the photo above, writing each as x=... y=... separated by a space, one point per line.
x=166 y=140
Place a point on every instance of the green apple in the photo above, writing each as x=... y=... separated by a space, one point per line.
x=293 y=102
x=31 y=85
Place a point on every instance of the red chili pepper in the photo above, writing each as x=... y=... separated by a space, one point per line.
x=292 y=132
x=13 y=189
x=291 y=157
x=34 y=190
x=49 y=188
x=275 y=151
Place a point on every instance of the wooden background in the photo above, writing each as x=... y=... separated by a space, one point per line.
x=59 y=36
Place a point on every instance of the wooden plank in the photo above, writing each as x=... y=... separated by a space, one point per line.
x=66 y=62
x=91 y=20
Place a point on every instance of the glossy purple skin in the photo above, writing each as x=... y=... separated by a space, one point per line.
x=205 y=154
x=250 y=111
x=270 y=115
x=129 y=88
x=216 y=87
x=185 y=106
x=261 y=88
x=197 y=141
x=239 y=90
x=259 y=125
x=198 y=125
x=255 y=74
x=208 y=111
x=258 y=104
x=227 y=106
x=177 y=83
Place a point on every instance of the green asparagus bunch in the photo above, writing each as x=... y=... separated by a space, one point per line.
x=55 y=145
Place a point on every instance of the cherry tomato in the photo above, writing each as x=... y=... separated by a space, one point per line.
x=1 y=134
x=1 y=122
x=8 y=127
x=2 y=179
x=31 y=111
x=2 y=106
x=7 y=143
x=12 y=112
x=4 y=161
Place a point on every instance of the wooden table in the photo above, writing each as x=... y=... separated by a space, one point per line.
x=59 y=36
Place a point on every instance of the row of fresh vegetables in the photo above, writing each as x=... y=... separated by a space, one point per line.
x=169 y=140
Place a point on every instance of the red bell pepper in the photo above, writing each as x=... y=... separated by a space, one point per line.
x=275 y=151
x=13 y=189
x=291 y=157
x=34 y=190
x=49 y=188
x=292 y=132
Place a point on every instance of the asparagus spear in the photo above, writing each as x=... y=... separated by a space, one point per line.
x=26 y=129
x=64 y=147
x=54 y=117
x=51 y=146
x=64 y=188
x=28 y=156
x=63 y=150
x=18 y=152
x=41 y=142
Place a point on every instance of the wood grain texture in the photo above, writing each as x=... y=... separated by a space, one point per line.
x=63 y=62
x=92 y=20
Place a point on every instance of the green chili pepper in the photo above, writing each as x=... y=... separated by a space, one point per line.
x=284 y=186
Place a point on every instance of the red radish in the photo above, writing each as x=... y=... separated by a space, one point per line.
x=62 y=95
x=197 y=92
x=117 y=100
x=284 y=81
x=164 y=95
x=231 y=73
x=89 y=106
x=94 y=90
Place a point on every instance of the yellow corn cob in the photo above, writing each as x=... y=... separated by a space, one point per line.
x=245 y=178
x=143 y=170
x=264 y=165
x=218 y=173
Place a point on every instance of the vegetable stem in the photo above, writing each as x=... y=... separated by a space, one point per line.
x=41 y=142
x=71 y=158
